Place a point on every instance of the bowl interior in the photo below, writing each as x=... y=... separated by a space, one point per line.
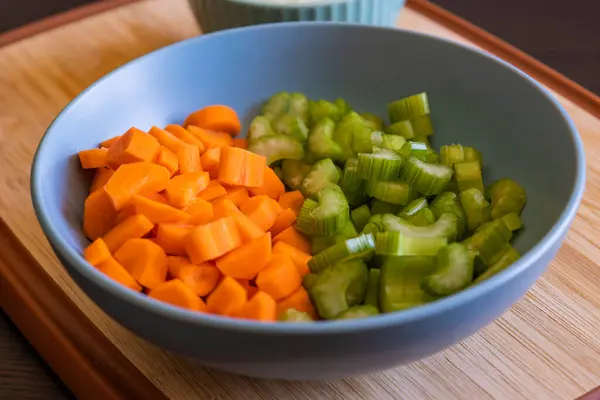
x=475 y=101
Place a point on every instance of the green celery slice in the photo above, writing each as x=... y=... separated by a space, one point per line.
x=444 y=227
x=402 y=244
x=401 y=128
x=475 y=206
x=392 y=142
x=512 y=221
x=423 y=217
x=363 y=311
x=372 y=296
x=422 y=125
x=351 y=183
x=319 y=243
x=447 y=202
x=377 y=138
x=373 y=121
x=360 y=216
x=428 y=179
x=400 y=282
x=279 y=172
x=260 y=127
x=331 y=213
x=360 y=247
x=374 y=225
x=320 y=140
x=489 y=240
x=277 y=147
x=309 y=280
x=453 y=153
x=293 y=315
x=277 y=105
x=353 y=135
x=298 y=106
x=383 y=207
x=507 y=196
x=291 y=125
x=468 y=175
x=409 y=107
x=390 y=192
x=382 y=165
x=324 y=109
x=507 y=259
x=413 y=207
x=454 y=271
x=321 y=174
x=294 y=172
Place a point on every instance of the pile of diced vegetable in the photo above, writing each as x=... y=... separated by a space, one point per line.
x=322 y=213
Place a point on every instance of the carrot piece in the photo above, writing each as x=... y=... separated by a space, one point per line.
x=133 y=227
x=133 y=146
x=224 y=207
x=227 y=298
x=135 y=178
x=279 y=278
x=299 y=257
x=201 y=212
x=210 y=138
x=210 y=161
x=247 y=229
x=284 y=220
x=99 y=214
x=240 y=167
x=247 y=260
x=158 y=212
x=272 y=185
x=92 y=158
x=175 y=263
x=145 y=260
x=293 y=200
x=167 y=159
x=262 y=307
x=101 y=176
x=189 y=159
x=176 y=293
x=183 y=188
x=184 y=135
x=97 y=252
x=212 y=191
x=250 y=289
x=156 y=197
x=211 y=241
x=299 y=300
x=241 y=143
x=117 y=272
x=202 y=279
x=166 y=138
x=171 y=236
x=262 y=210
x=109 y=142
x=294 y=238
x=216 y=117
x=237 y=194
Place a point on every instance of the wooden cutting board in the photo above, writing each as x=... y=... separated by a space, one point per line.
x=545 y=347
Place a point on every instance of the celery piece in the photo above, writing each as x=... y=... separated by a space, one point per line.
x=423 y=217
x=330 y=214
x=277 y=147
x=475 y=205
x=382 y=165
x=293 y=315
x=372 y=295
x=383 y=207
x=277 y=105
x=351 y=183
x=291 y=125
x=402 y=244
x=324 y=109
x=260 y=127
x=374 y=122
x=507 y=196
x=360 y=216
x=400 y=282
x=330 y=291
x=453 y=153
x=428 y=179
x=422 y=125
x=279 y=172
x=360 y=247
x=512 y=221
x=413 y=207
x=468 y=175
x=374 y=225
x=377 y=138
x=309 y=280
x=298 y=106
x=454 y=271
x=353 y=135
x=408 y=108
x=391 y=192
x=319 y=243
x=444 y=227
x=419 y=150
x=392 y=142
x=343 y=106
x=321 y=174
x=401 y=128
x=489 y=240
x=422 y=139
x=507 y=259
x=294 y=172
x=321 y=143
x=363 y=311
x=447 y=202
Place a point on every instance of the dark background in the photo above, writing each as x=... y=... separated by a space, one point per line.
x=562 y=34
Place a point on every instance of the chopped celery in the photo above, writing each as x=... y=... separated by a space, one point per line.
x=468 y=175
x=489 y=240
x=453 y=153
x=392 y=142
x=351 y=183
x=319 y=243
x=353 y=135
x=508 y=258
x=444 y=227
x=401 y=128
x=423 y=217
x=513 y=221
x=372 y=296
x=332 y=287
x=373 y=121
x=294 y=172
x=403 y=244
x=277 y=147
x=425 y=178
x=298 y=106
x=292 y=126
x=363 y=311
x=331 y=213
x=277 y=105
x=321 y=174
x=413 y=207
x=422 y=126
x=324 y=109
x=260 y=127
x=381 y=165
x=409 y=107
x=383 y=207
x=293 y=315
x=360 y=216
x=374 y=225
x=475 y=205
x=391 y=192
x=377 y=138
x=507 y=196
x=320 y=140
x=358 y=247
x=309 y=280
x=278 y=171
x=419 y=150
x=454 y=271
x=400 y=282
x=447 y=202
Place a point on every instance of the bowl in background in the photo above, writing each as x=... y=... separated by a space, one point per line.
x=476 y=100
x=215 y=15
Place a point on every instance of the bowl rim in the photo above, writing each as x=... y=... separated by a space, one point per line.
x=279 y=4
x=77 y=262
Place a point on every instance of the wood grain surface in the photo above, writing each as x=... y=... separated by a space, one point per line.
x=545 y=347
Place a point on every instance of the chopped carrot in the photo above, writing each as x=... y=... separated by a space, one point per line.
x=210 y=138
x=250 y=289
x=216 y=117
x=299 y=257
x=101 y=176
x=293 y=200
x=93 y=158
x=262 y=210
x=174 y=264
x=210 y=161
x=247 y=260
x=272 y=185
x=262 y=307
x=166 y=139
x=175 y=292
x=135 y=178
x=99 y=214
x=96 y=252
x=299 y=300
x=189 y=159
x=125 y=213
x=167 y=159
x=158 y=212
x=239 y=167
x=183 y=188
x=201 y=212
x=184 y=135
x=145 y=260
x=294 y=238
x=212 y=191
x=133 y=227
x=115 y=271
x=211 y=241
x=224 y=207
x=156 y=197
x=237 y=194
x=279 y=278
x=247 y=229
x=284 y=220
x=202 y=279
x=133 y=146
x=241 y=143
x=227 y=298
x=109 y=142
x=171 y=237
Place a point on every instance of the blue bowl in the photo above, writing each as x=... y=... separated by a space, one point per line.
x=476 y=99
